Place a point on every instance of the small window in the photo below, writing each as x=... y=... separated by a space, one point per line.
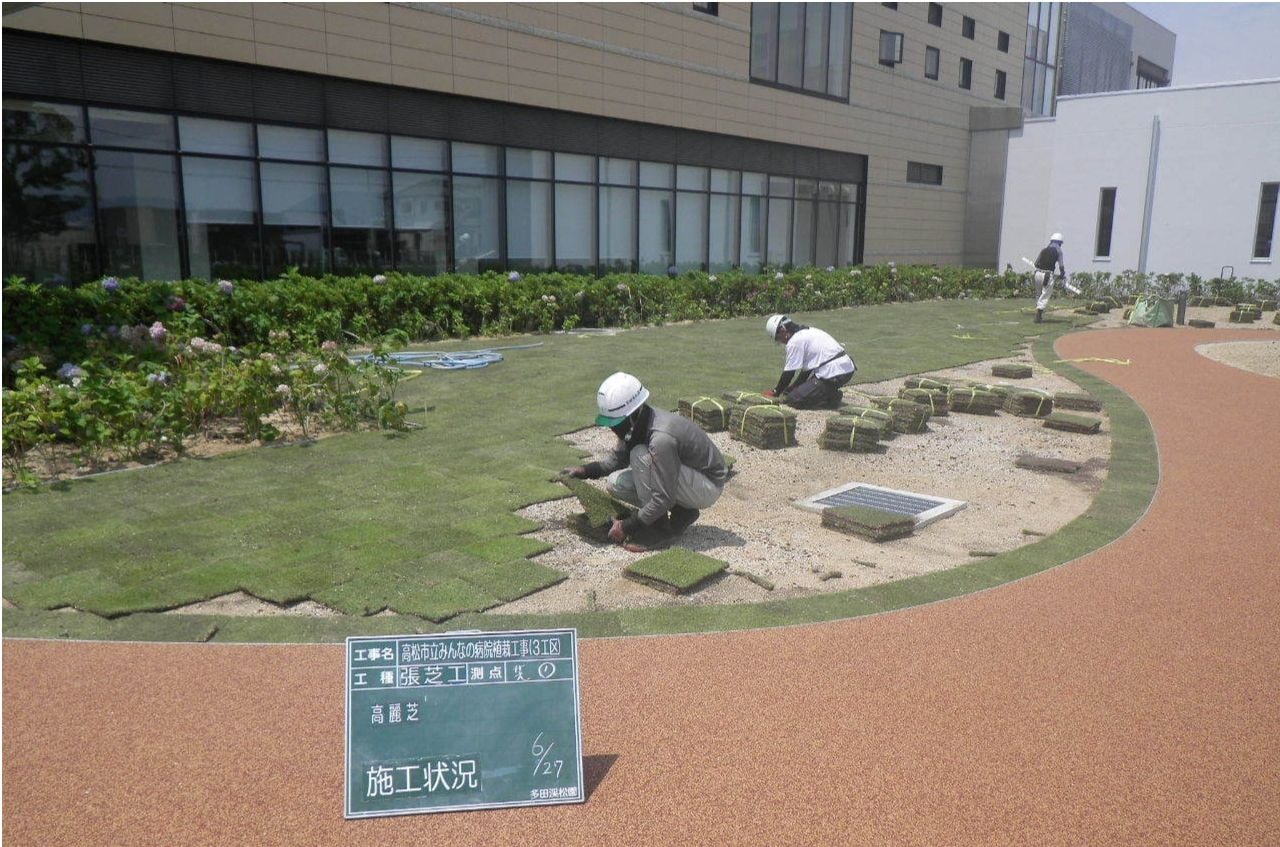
x=935 y=14
x=1262 y=240
x=890 y=48
x=893 y=6
x=1002 y=42
x=967 y=26
x=1151 y=75
x=1106 y=216
x=932 y=59
x=1001 y=81
x=966 y=73
x=712 y=9
x=924 y=174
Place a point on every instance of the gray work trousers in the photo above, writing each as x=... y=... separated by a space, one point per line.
x=634 y=484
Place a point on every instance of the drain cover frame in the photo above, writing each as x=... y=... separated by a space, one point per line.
x=944 y=507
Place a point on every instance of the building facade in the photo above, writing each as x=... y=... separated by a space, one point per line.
x=1168 y=180
x=208 y=140
x=1088 y=48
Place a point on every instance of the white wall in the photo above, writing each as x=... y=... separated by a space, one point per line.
x=1217 y=145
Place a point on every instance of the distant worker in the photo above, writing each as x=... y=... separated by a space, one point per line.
x=816 y=368
x=1050 y=257
x=662 y=462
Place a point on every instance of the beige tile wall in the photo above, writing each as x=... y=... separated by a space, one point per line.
x=657 y=62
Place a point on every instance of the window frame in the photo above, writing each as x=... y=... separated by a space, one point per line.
x=937 y=62
x=922 y=173
x=1266 y=207
x=712 y=9
x=1107 y=216
x=968 y=27
x=776 y=45
x=935 y=14
x=966 y=74
x=1002 y=84
x=897 y=42
x=1002 y=41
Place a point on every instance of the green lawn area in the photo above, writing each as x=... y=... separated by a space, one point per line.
x=421 y=524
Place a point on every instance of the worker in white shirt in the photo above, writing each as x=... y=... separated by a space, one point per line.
x=816 y=367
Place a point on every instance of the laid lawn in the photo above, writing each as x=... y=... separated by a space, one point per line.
x=418 y=525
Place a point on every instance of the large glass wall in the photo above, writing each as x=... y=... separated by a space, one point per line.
x=90 y=191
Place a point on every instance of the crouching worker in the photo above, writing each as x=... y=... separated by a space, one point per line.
x=816 y=368
x=663 y=463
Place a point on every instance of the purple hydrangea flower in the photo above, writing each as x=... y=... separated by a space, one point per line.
x=111 y=284
x=70 y=371
x=329 y=346
x=514 y=276
x=226 y=286
x=177 y=304
x=161 y=378
x=86 y=329
x=158 y=332
x=380 y=279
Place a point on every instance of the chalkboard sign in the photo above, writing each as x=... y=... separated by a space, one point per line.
x=474 y=720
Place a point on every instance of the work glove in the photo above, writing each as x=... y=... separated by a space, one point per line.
x=768 y=392
x=577 y=472
x=617 y=533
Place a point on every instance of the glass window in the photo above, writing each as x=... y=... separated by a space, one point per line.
x=474 y=158
x=532 y=164
x=753 y=234
x=289 y=142
x=849 y=192
x=966 y=73
x=421 y=217
x=781 y=186
x=574 y=167
x=206 y=135
x=294 y=213
x=424 y=154
x=138 y=204
x=357 y=148
x=726 y=181
x=935 y=14
x=932 y=59
x=1262 y=239
x=723 y=232
x=890 y=48
x=222 y=217
x=924 y=173
x=1106 y=217
x=791 y=44
x=816 y=42
x=967 y=26
x=753 y=183
x=764 y=41
x=529 y=224
x=120 y=128
x=617 y=229
x=656 y=175
x=476 y=234
x=691 y=230
x=838 y=50
x=779 y=248
x=1002 y=42
x=48 y=210
x=849 y=248
x=802 y=224
x=575 y=228
x=28 y=120
x=618 y=171
x=691 y=178
x=361 y=239
x=828 y=235
x=1001 y=82
x=656 y=221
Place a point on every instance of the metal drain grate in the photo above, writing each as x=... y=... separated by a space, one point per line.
x=923 y=508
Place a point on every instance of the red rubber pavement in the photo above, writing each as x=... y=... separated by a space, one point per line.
x=1131 y=697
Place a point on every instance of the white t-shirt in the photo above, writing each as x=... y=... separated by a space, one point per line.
x=811 y=347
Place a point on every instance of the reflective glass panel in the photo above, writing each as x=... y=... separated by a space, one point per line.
x=529 y=224
x=574 y=167
x=532 y=164
x=779 y=252
x=474 y=158
x=764 y=41
x=656 y=175
x=726 y=181
x=49 y=232
x=791 y=44
x=290 y=142
x=426 y=154
x=691 y=178
x=657 y=217
x=691 y=230
x=421 y=217
x=357 y=148
x=476 y=234
x=617 y=229
x=753 y=233
x=206 y=135
x=618 y=171
x=723 y=232
x=120 y=128
x=575 y=228
x=222 y=229
x=138 y=204
x=29 y=120
x=802 y=234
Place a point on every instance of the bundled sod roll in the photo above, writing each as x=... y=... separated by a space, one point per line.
x=872 y=524
x=1202 y=324
x=707 y=412
x=908 y=415
x=1011 y=371
x=1267 y=305
x=935 y=399
x=868 y=413
x=1245 y=314
x=927 y=382
x=1076 y=400
x=974 y=401
x=1072 y=423
x=749 y=398
x=1000 y=389
x=600 y=509
x=853 y=433
x=1029 y=403
x=1099 y=307
x=766 y=427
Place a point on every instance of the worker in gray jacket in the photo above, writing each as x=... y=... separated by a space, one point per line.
x=663 y=463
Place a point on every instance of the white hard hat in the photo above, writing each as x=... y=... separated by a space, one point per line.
x=772 y=324
x=1057 y=236
x=619 y=396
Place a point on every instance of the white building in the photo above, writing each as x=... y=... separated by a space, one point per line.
x=1162 y=180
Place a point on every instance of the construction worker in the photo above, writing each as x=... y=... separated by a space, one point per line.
x=663 y=463
x=1049 y=258
x=816 y=366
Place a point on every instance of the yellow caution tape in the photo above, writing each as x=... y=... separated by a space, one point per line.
x=968 y=337
x=719 y=407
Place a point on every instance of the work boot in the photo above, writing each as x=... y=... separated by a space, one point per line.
x=1039 y=316
x=682 y=518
